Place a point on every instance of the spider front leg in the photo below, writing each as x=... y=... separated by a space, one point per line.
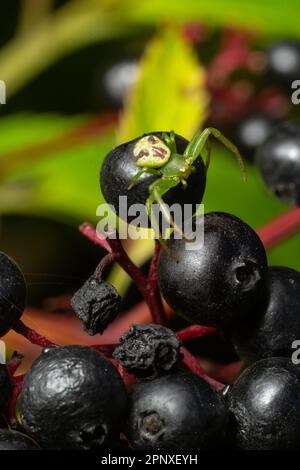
x=143 y=170
x=200 y=141
x=157 y=190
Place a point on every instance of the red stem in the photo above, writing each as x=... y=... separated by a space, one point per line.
x=193 y=364
x=11 y=410
x=14 y=363
x=19 y=378
x=227 y=373
x=153 y=288
x=114 y=245
x=91 y=234
x=32 y=335
x=106 y=261
x=195 y=331
x=281 y=228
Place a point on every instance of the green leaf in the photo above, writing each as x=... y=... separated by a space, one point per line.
x=61 y=182
x=170 y=92
x=265 y=16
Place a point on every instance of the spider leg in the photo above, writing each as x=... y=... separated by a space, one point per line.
x=155 y=226
x=208 y=155
x=199 y=142
x=152 y=171
x=159 y=188
x=170 y=141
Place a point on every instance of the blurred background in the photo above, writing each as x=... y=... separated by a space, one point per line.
x=84 y=75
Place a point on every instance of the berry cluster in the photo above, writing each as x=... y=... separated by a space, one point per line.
x=148 y=391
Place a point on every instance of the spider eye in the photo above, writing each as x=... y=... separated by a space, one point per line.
x=150 y=151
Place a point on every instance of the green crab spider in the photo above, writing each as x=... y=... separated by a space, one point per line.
x=159 y=157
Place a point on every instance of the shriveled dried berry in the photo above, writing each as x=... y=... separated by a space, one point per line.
x=148 y=350
x=96 y=303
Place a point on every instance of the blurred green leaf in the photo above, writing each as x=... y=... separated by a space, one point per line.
x=170 y=92
x=63 y=183
x=265 y=16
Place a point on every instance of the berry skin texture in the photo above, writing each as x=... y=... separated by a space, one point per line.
x=148 y=350
x=97 y=304
x=283 y=62
x=272 y=331
x=219 y=283
x=12 y=293
x=66 y=401
x=175 y=412
x=5 y=386
x=119 y=167
x=278 y=160
x=13 y=440
x=264 y=406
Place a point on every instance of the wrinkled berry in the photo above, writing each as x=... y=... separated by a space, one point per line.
x=148 y=350
x=97 y=304
x=72 y=398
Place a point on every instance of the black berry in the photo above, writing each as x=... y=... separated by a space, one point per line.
x=119 y=168
x=252 y=132
x=97 y=304
x=219 y=283
x=175 y=412
x=278 y=160
x=283 y=62
x=13 y=440
x=72 y=398
x=5 y=386
x=148 y=350
x=276 y=325
x=12 y=293
x=264 y=405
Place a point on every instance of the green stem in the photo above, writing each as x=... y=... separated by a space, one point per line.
x=71 y=27
x=32 y=13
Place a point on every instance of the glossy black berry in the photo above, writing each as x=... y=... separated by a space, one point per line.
x=219 y=283
x=72 y=398
x=97 y=303
x=252 y=132
x=283 y=62
x=13 y=440
x=175 y=412
x=5 y=386
x=118 y=79
x=278 y=160
x=12 y=293
x=119 y=168
x=148 y=350
x=264 y=405
x=276 y=324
